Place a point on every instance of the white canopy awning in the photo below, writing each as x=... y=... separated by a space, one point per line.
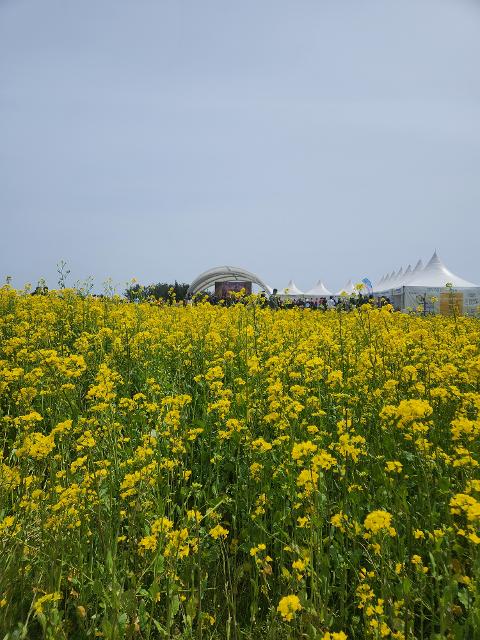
x=387 y=282
x=290 y=290
x=319 y=290
x=413 y=274
x=406 y=275
x=398 y=279
x=436 y=274
x=348 y=289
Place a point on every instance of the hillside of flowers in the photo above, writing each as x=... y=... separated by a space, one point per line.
x=208 y=472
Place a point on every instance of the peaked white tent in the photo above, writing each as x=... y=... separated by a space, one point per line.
x=436 y=274
x=390 y=280
x=434 y=288
x=384 y=283
x=319 y=290
x=397 y=278
x=418 y=266
x=291 y=290
x=348 y=289
x=414 y=272
x=406 y=275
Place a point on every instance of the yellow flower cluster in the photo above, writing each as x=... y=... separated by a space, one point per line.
x=37 y=445
x=288 y=607
x=379 y=521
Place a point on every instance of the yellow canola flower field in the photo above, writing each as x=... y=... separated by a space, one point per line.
x=211 y=472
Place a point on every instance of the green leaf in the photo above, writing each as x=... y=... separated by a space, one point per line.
x=153 y=590
x=407 y=586
x=174 y=605
x=464 y=598
x=191 y=607
x=162 y=631
x=159 y=563
x=109 y=561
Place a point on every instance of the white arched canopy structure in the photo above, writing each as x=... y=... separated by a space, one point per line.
x=224 y=274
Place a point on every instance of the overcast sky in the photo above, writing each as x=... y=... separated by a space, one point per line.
x=299 y=139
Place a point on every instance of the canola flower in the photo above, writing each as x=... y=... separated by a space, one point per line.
x=209 y=471
x=45 y=601
x=379 y=520
x=218 y=532
x=288 y=606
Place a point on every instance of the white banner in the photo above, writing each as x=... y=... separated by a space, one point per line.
x=440 y=300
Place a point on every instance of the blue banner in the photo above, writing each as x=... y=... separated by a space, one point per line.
x=368 y=285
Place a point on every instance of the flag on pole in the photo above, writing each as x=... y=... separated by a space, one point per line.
x=368 y=285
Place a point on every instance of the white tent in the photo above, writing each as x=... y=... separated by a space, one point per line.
x=435 y=289
x=413 y=274
x=291 y=290
x=397 y=279
x=405 y=276
x=384 y=284
x=319 y=290
x=436 y=274
x=418 y=266
x=224 y=274
x=348 y=289
x=390 y=280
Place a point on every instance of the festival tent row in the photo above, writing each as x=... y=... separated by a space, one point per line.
x=318 y=291
x=434 y=287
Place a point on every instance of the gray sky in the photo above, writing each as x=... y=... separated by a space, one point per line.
x=307 y=139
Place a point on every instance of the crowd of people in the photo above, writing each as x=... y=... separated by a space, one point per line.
x=276 y=301
x=344 y=303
